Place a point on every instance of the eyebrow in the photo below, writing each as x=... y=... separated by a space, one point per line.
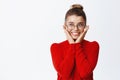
x=70 y=22
x=78 y=22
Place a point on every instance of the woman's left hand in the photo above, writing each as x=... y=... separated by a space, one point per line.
x=82 y=35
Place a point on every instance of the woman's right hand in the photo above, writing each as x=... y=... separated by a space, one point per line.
x=68 y=36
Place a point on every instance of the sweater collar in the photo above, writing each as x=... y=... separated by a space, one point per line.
x=83 y=41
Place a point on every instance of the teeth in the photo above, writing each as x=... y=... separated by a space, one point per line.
x=75 y=33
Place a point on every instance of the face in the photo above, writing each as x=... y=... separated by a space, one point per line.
x=75 y=25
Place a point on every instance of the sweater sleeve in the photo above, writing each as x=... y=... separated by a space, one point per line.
x=86 y=60
x=63 y=64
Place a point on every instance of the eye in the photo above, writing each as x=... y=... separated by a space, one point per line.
x=71 y=24
x=81 y=25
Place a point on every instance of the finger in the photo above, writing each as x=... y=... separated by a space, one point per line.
x=85 y=31
x=86 y=28
x=65 y=30
x=64 y=27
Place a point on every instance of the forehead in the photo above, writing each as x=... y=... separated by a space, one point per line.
x=75 y=19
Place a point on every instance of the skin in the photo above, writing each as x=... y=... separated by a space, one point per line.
x=75 y=35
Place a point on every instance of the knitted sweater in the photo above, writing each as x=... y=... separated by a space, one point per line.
x=75 y=61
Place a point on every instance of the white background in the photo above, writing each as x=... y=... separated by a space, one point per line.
x=29 y=27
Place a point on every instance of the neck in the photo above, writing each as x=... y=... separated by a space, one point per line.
x=74 y=39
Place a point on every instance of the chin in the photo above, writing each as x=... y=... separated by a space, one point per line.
x=75 y=37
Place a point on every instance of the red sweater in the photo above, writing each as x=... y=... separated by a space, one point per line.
x=75 y=61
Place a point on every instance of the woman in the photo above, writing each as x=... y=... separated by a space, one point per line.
x=75 y=58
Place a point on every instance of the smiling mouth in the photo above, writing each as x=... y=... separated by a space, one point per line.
x=75 y=33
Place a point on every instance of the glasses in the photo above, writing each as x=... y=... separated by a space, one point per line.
x=79 y=25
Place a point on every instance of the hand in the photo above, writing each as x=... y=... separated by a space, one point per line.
x=68 y=36
x=82 y=35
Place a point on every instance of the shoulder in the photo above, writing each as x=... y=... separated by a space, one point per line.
x=92 y=44
x=58 y=45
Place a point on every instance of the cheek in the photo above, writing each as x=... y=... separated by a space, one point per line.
x=82 y=30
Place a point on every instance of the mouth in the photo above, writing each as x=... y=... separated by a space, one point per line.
x=75 y=33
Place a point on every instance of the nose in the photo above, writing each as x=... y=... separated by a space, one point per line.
x=75 y=28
